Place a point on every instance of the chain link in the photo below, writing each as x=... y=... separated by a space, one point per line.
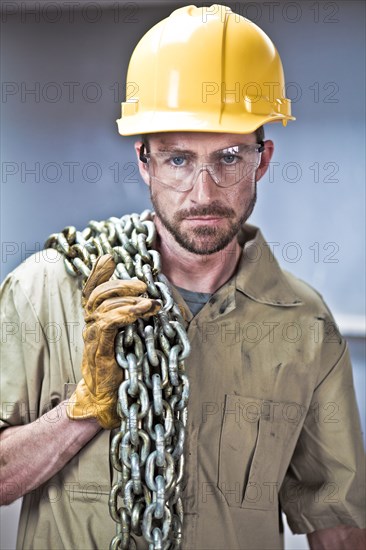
x=147 y=450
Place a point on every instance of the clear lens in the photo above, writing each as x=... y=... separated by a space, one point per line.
x=179 y=170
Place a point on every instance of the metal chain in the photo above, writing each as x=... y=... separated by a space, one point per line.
x=147 y=450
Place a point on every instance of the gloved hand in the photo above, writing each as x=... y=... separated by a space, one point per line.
x=108 y=306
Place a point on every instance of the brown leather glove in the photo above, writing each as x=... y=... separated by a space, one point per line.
x=108 y=306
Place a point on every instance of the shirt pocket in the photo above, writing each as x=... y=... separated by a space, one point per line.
x=256 y=443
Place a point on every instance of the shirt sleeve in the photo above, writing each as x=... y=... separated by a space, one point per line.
x=24 y=356
x=41 y=348
x=325 y=482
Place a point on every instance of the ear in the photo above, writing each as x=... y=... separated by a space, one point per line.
x=142 y=165
x=265 y=159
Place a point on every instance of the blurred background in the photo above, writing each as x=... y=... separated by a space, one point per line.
x=63 y=162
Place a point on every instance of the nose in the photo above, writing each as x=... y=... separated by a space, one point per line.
x=204 y=186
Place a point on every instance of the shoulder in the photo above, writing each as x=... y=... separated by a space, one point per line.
x=290 y=300
x=40 y=279
x=261 y=277
x=310 y=298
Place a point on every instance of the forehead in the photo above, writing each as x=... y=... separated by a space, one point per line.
x=199 y=141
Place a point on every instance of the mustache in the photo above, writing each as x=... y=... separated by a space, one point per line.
x=214 y=209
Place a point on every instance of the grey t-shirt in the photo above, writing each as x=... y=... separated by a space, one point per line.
x=194 y=300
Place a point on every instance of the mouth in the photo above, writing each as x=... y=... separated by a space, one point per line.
x=205 y=219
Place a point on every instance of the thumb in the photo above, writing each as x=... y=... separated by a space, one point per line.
x=102 y=271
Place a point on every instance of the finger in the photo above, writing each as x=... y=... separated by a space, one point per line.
x=114 y=302
x=108 y=305
x=102 y=271
x=125 y=314
x=114 y=289
x=138 y=307
x=145 y=308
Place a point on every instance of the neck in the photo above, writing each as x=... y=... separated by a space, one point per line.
x=196 y=272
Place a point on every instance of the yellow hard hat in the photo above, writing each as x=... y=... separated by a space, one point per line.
x=206 y=70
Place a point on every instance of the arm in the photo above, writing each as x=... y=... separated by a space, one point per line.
x=24 y=463
x=33 y=453
x=323 y=494
x=342 y=537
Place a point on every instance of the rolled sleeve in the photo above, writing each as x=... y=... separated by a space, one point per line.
x=325 y=482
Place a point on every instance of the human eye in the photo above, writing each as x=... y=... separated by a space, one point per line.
x=174 y=159
x=230 y=158
x=177 y=160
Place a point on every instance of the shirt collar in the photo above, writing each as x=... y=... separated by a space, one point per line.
x=259 y=275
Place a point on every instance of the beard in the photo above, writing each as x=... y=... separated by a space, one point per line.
x=204 y=240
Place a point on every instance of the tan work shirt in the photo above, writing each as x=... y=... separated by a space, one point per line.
x=273 y=422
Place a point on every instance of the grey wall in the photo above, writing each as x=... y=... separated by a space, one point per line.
x=312 y=201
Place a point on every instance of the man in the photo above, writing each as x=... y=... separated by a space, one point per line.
x=260 y=435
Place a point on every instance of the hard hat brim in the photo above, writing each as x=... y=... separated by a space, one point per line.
x=153 y=122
